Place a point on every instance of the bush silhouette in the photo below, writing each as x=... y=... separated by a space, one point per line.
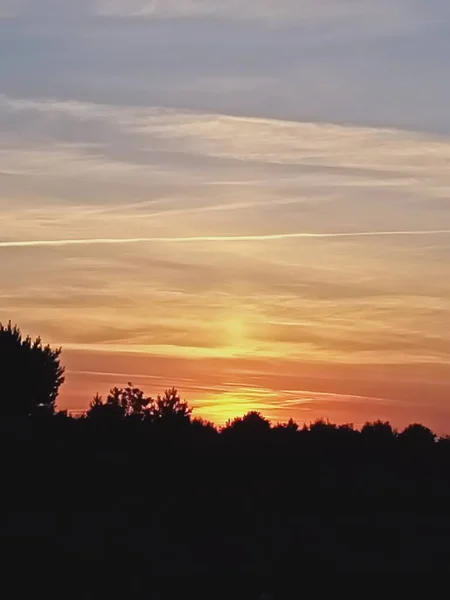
x=31 y=374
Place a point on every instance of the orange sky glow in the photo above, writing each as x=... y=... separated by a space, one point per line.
x=265 y=227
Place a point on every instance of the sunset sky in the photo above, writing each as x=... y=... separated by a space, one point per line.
x=248 y=200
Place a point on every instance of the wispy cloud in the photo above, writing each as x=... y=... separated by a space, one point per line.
x=312 y=145
x=235 y=238
x=140 y=169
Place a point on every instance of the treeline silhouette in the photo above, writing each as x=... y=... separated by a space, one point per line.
x=140 y=487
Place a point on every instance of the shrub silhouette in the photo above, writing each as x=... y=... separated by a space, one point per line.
x=31 y=374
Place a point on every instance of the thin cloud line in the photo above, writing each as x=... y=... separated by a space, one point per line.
x=212 y=239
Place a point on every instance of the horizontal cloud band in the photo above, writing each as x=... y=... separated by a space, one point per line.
x=223 y=238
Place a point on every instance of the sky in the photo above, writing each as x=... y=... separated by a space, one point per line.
x=247 y=200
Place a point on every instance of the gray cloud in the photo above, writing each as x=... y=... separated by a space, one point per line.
x=333 y=61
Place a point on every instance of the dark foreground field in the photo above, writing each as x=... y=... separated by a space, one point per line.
x=120 y=503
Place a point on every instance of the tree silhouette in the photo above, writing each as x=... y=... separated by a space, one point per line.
x=380 y=432
x=252 y=425
x=31 y=374
x=204 y=428
x=291 y=426
x=105 y=412
x=321 y=429
x=124 y=402
x=171 y=407
x=418 y=436
x=131 y=400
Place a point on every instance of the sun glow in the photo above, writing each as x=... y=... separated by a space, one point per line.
x=220 y=407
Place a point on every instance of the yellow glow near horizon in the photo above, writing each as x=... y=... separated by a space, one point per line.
x=225 y=406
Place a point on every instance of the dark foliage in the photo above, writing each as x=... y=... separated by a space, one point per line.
x=120 y=403
x=251 y=427
x=31 y=374
x=418 y=436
